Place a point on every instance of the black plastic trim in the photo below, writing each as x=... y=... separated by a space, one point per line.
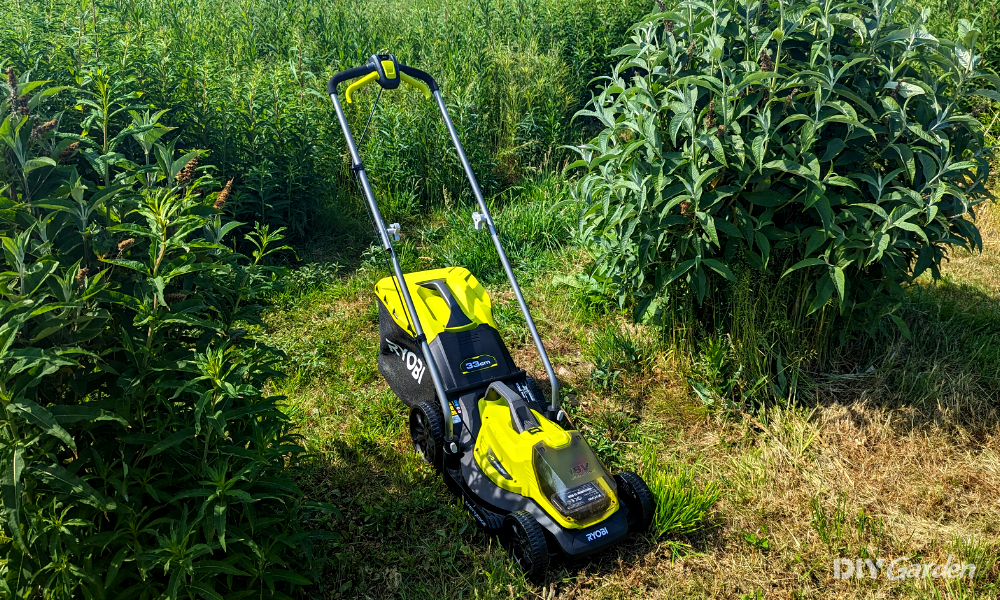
x=352 y=73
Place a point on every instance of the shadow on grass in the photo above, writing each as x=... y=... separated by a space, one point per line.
x=403 y=535
x=947 y=374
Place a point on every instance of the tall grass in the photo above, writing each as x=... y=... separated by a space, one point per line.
x=246 y=80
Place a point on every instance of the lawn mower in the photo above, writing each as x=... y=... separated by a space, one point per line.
x=518 y=466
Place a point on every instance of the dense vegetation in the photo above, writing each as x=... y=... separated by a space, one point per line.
x=152 y=149
x=818 y=148
x=141 y=457
x=246 y=82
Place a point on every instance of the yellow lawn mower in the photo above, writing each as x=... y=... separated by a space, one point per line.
x=520 y=467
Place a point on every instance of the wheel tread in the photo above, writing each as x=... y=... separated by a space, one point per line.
x=536 y=542
x=435 y=424
x=638 y=494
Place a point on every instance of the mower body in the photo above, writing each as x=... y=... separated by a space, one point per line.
x=519 y=466
x=511 y=456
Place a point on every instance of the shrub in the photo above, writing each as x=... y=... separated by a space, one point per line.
x=822 y=142
x=141 y=457
x=984 y=14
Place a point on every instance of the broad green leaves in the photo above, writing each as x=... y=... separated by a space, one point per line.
x=788 y=144
x=139 y=453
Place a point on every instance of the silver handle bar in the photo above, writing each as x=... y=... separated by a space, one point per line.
x=383 y=233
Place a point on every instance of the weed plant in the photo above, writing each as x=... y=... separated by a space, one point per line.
x=141 y=457
x=682 y=506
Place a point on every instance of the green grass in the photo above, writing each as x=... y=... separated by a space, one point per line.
x=793 y=485
x=246 y=80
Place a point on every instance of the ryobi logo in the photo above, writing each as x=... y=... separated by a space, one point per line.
x=414 y=363
x=597 y=533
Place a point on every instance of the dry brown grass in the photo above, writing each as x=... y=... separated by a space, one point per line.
x=890 y=477
x=867 y=468
x=901 y=492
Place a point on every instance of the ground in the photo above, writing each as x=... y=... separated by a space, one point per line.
x=897 y=459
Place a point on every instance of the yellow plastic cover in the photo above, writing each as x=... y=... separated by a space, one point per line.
x=511 y=460
x=390 y=69
x=432 y=309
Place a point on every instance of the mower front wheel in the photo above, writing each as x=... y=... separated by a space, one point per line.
x=638 y=499
x=526 y=540
x=427 y=433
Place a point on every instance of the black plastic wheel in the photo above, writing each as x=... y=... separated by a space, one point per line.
x=427 y=433
x=638 y=499
x=526 y=540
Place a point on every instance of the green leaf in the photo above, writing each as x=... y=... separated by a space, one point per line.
x=12 y=488
x=875 y=208
x=816 y=240
x=878 y=248
x=217 y=567
x=220 y=523
x=715 y=147
x=833 y=148
x=62 y=479
x=708 y=224
x=23 y=89
x=680 y=270
x=901 y=325
x=116 y=564
x=837 y=275
x=991 y=94
x=804 y=263
x=906 y=157
x=171 y=441
x=758 y=148
x=789 y=166
x=290 y=577
x=205 y=590
x=824 y=291
x=129 y=264
x=43 y=419
x=764 y=244
x=719 y=268
x=840 y=181
x=37 y=163
x=75 y=412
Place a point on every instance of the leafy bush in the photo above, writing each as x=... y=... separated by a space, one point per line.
x=984 y=14
x=822 y=141
x=141 y=457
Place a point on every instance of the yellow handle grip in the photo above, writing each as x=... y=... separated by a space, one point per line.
x=373 y=76
x=414 y=82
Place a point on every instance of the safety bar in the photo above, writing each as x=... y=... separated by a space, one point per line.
x=384 y=69
x=390 y=73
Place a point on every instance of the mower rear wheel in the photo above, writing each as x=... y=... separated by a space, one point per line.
x=427 y=433
x=526 y=540
x=638 y=499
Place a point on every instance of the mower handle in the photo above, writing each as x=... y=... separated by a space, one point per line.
x=389 y=73
x=384 y=69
